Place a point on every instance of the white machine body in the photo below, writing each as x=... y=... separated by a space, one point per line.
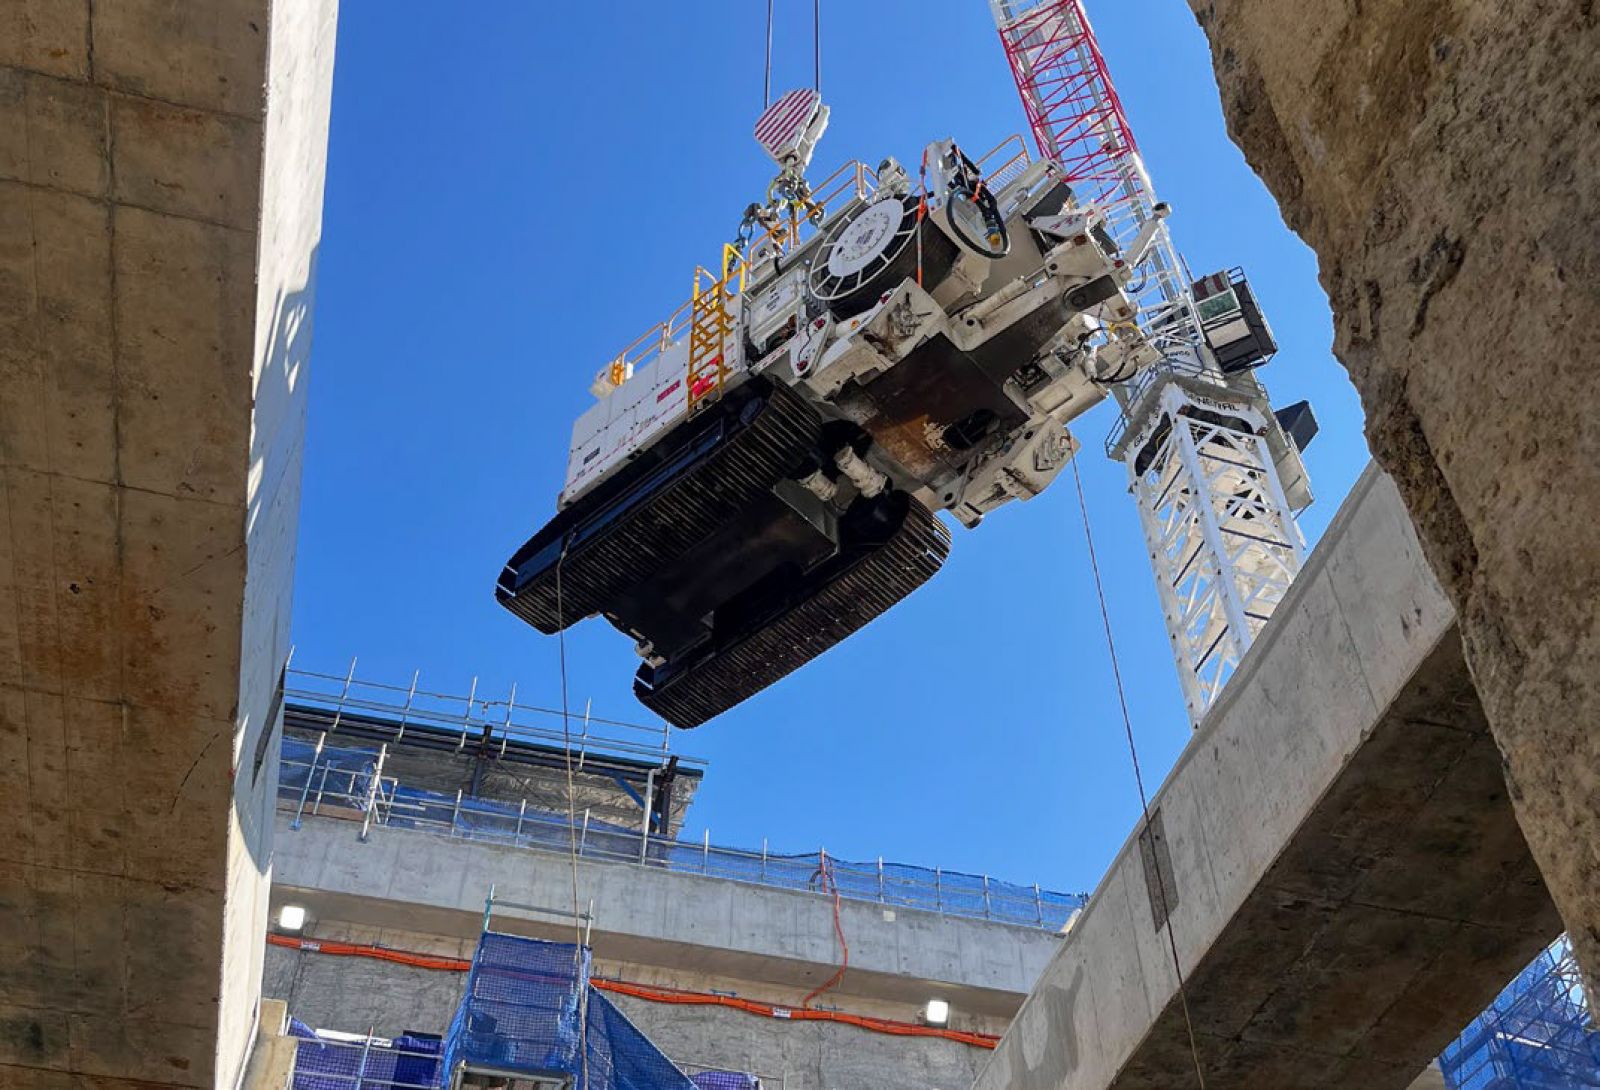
x=965 y=381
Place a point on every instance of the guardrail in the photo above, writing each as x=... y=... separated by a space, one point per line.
x=346 y=696
x=350 y=784
x=326 y=1060
x=852 y=181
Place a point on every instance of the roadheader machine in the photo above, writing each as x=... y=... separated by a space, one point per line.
x=760 y=474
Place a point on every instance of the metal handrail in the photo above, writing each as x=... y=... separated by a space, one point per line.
x=341 y=695
x=468 y=818
x=1018 y=157
x=853 y=178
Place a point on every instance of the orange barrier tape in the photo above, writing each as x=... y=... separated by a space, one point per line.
x=651 y=994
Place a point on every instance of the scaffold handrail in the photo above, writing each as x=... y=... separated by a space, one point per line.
x=348 y=795
x=470 y=714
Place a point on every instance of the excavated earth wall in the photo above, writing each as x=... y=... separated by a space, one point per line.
x=1443 y=159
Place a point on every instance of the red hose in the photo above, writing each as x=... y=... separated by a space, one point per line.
x=825 y=871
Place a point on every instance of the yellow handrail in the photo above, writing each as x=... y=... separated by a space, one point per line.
x=854 y=178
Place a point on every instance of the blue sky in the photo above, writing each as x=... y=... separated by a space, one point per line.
x=516 y=190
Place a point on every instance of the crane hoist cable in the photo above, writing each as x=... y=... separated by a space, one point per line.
x=816 y=46
x=816 y=53
x=766 y=89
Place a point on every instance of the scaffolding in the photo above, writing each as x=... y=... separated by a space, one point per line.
x=498 y=748
x=1537 y=1035
x=529 y=1020
x=331 y=1060
x=318 y=781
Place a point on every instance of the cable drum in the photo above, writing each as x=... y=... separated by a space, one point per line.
x=873 y=250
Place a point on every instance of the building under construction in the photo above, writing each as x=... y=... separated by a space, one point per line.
x=229 y=869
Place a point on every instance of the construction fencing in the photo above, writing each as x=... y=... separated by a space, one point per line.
x=1536 y=1035
x=325 y=1061
x=347 y=782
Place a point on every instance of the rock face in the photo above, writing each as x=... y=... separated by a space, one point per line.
x=1443 y=159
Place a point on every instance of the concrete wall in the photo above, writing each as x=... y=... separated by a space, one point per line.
x=417 y=892
x=644 y=915
x=355 y=995
x=160 y=204
x=1440 y=157
x=1347 y=885
x=804 y=1055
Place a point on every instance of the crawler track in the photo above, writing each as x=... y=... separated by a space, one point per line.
x=656 y=511
x=844 y=601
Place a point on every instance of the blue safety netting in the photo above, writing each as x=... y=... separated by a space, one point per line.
x=475 y=818
x=521 y=1008
x=1537 y=1035
x=324 y=1063
x=525 y=1000
x=725 y=1080
x=344 y=772
x=621 y=1057
x=347 y=771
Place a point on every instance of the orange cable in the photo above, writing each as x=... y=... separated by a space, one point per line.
x=652 y=994
x=380 y=953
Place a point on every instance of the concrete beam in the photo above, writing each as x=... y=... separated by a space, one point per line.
x=1346 y=883
x=160 y=205
x=414 y=881
x=1417 y=146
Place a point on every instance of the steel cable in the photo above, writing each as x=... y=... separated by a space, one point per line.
x=1138 y=776
x=572 y=819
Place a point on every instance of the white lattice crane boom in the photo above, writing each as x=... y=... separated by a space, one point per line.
x=1216 y=477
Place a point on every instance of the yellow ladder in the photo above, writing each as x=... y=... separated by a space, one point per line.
x=709 y=326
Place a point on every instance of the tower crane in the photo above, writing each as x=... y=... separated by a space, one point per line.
x=1216 y=474
x=760 y=474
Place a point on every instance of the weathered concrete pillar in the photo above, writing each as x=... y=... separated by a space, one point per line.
x=161 y=168
x=1443 y=158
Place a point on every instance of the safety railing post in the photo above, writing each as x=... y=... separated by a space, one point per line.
x=986 y=913
x=880 y=879
x=310 y=773
x=521 y=813
x=583 y=837
x=455 y=813
x=705 y=854
x=366 y=1050
x=344 y=694
x=405 y=713
x=322 y=785
x=938 y=892
x=763 y=859
x=1038 y=904
x=373 y=787
x=644 y=825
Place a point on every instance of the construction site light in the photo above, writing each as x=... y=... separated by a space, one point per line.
x=936 y=1013
x=291 y=918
